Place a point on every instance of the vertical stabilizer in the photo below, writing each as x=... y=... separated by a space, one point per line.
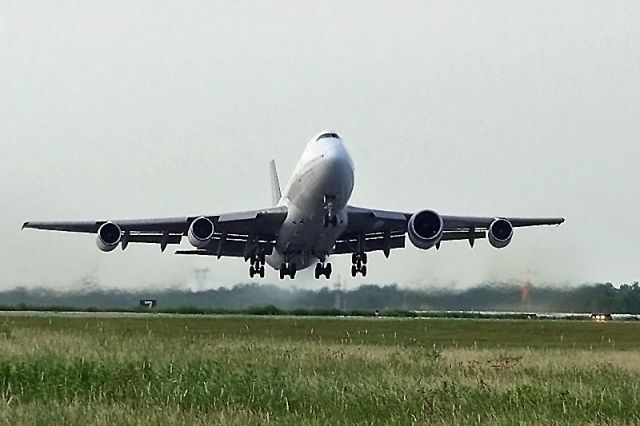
x=276 y=194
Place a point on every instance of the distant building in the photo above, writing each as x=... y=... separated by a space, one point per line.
x=148 y=303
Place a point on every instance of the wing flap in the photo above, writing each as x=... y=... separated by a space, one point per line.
x=232 y=246
x=153 y=238
x=374 y=242
x=463 y=235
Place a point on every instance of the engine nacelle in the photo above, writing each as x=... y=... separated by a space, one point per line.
x=109 y=235
x=201 y=232
x=500 y=233
x=425 y=229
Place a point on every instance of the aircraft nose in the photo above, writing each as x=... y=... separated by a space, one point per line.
x=336 y=156
x=338 y=165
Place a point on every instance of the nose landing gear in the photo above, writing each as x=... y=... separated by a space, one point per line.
x=330 y=217
x=323 y=269
x=359 y=264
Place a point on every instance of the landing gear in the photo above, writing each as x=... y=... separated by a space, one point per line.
x=322 y=269
x=257 y=266
x=329 y=218
x=287 y=269
x=359 y=264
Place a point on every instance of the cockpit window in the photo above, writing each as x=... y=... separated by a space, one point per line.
x=328 y=135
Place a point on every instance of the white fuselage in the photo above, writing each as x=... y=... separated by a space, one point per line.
x=323 y=176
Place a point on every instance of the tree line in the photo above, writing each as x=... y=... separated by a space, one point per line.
x=600 y=297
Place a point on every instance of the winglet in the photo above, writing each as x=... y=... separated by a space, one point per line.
x=25 y=225
x=276 y=194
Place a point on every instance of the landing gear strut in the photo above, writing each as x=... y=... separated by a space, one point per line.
x=257 y=266
x=323 y=269
x=330 y=220
x=359 y=264
x=330 y=217
x=287 y=269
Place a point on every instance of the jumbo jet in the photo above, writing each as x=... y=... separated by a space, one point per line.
x=308 y=223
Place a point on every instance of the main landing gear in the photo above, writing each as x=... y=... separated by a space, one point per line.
x=288 y=269
x=359 y=264
x=323 y=269
x=257 y=266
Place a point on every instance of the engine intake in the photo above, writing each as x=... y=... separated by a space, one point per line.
x=425 y=229
x=109 y=235
x=201 y=232
x=500 y=233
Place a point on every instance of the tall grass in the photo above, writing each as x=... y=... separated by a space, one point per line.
x=237 y=370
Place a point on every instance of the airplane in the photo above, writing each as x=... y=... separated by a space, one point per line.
x=311 y=221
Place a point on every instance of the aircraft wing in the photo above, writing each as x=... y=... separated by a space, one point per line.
x=238 y=234
x=383 y=230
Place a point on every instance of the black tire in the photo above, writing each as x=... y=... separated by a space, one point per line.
x=363 y=270
x=252 y=271
x=354 y=271
x=262 y=272
x=364 y=258
x=328 y=269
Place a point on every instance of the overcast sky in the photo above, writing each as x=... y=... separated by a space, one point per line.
x=124 y=109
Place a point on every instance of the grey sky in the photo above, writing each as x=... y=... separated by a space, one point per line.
x=126 y=109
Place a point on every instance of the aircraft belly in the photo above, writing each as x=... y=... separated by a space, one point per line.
x=304 y=239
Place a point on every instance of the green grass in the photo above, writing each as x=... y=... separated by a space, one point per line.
x=259 y=370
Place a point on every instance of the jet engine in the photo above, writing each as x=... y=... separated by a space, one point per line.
x=109 y=235
x=500 y=233
x=201 y=232
x=425 y=229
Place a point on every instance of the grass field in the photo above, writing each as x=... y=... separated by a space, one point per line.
x=261 y=370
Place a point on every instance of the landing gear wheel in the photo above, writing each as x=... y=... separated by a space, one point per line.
x=359 y=258
x=316 y=272
x=292 y=270
x=327 y=270
x=261 y=272
x=252 y=271
x=287 y=269
x=359 y=264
